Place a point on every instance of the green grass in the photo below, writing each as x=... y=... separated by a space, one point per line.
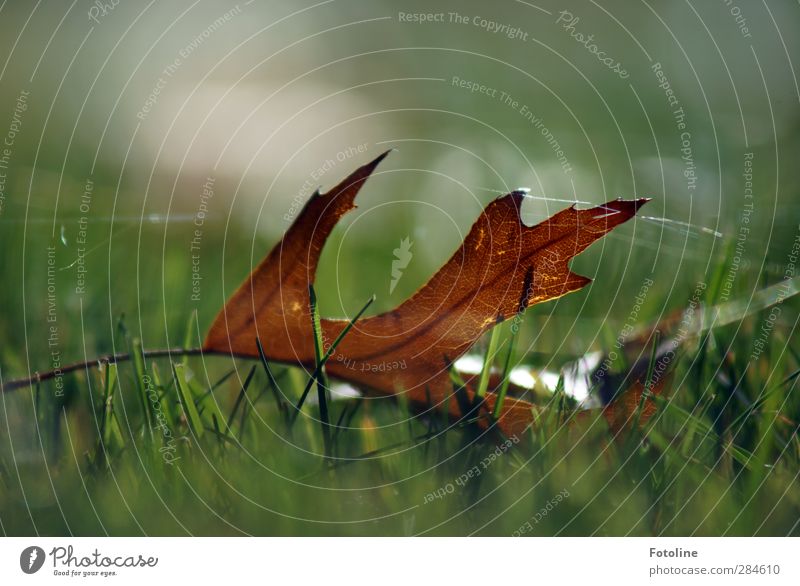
x=206 y=451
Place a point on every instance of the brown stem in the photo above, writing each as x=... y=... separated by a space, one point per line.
x=108 y=358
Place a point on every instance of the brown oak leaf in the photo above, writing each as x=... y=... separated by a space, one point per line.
x=502 y=267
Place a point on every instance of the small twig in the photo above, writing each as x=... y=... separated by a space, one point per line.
x=109 y=359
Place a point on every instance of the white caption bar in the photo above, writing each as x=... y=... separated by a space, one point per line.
x=389 y=561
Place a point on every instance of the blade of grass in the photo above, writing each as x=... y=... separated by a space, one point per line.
x=205 y=402
x=187 y=337
x=272 y=382
x=163 y=398
x=647 y=390
x=327 y=355
x=483 y=381
x=243 y=418
x=239 y=399
x=186 y=400
x=322 y=377
x=432 y=421
x=718 y=277
x=345 y=422
x=501 y=394
x=758 y=403
x=707 y=433
x=109 y=372
x=547 y=424
x=112 y=433
x=341 y=417
x=37 y=405
x=219 y=383
x=140 y=373
x=455 y=376
x=736 y=310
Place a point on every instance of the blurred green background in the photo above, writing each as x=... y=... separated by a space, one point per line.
x=129 y=127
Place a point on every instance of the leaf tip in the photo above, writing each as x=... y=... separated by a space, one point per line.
x=515 y=197
x=353 y=182
x=377 y=160
x=627 y=207
x=635 y=204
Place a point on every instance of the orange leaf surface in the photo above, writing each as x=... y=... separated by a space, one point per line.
x=502 y=267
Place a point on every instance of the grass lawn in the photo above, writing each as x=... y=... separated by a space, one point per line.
x=721 y=455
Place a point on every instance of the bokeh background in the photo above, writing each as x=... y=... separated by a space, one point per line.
x=130 y=126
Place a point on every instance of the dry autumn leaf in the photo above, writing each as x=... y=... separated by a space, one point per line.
x=502 y=267
x=628 y=395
